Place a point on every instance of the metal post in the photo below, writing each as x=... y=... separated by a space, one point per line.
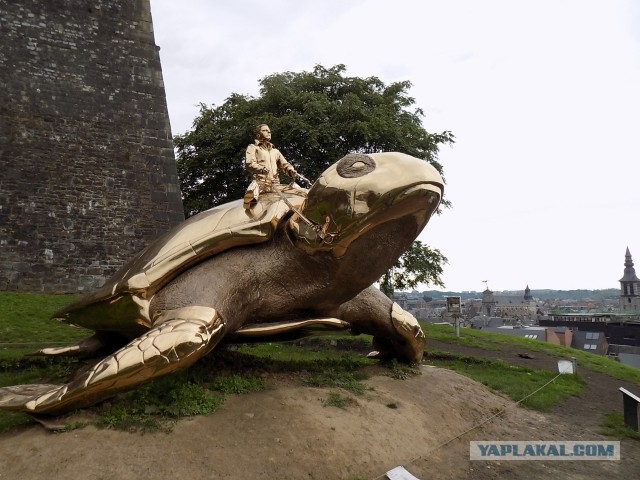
x=454 y=308
x=631 y=409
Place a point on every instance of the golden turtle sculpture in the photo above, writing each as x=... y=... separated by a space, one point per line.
x=298 y=260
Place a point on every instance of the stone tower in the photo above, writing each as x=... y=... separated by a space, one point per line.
x=629 y=286
x=488 y=303
x=87 y=168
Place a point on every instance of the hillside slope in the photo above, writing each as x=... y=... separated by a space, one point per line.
x=285 y=432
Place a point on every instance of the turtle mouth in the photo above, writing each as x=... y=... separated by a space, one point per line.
x=418 y=201
x=425 y=189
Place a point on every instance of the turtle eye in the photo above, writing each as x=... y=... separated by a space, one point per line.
x=355 y=165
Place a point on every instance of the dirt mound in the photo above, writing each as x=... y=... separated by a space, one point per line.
x=286 y=432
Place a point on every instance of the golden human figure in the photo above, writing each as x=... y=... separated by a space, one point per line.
x=263 y=161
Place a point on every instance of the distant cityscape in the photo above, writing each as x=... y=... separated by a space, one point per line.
x=605 y=322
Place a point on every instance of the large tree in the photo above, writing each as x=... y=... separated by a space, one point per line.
x=316 y=118
x=419 y=264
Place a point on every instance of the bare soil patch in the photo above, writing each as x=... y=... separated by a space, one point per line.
x=285 y=432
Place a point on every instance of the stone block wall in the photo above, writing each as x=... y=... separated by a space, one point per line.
x=87 y=167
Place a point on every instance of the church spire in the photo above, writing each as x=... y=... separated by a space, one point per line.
x=629 y=286
x=629 y=271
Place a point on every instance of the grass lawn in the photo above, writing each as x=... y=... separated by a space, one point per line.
x=518 y=383
x=25 y=321
x=335 y=362
x=477 y=338
x=25 y=326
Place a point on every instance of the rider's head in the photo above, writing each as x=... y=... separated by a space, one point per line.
x=262 y=132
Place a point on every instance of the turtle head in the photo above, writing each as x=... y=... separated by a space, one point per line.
x=376 y=201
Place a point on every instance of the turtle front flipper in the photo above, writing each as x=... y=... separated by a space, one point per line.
x=179 y=338
x=396 y=333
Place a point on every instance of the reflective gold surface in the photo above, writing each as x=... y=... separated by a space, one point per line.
x=177 y=340
x=362 y=191
x=122 y=304
x=278 y=328
x=291 y=263
x=263 y=161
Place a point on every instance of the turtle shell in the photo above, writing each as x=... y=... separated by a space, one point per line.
x=122 y=303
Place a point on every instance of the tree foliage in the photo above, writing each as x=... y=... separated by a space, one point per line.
x=419 y=264
x=316 y=118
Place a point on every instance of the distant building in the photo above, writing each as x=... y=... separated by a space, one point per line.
x=620 y=327
x=411 y=301
x=626 y=354
x=559 y=336
x=508 y=305
x=629 y=286
x=484 y=322
x=592 y=342
x=422 y=306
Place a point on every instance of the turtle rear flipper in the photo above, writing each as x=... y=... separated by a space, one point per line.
x=178 y=338
x=87 y=347
x=288 y=329
x=396 y=333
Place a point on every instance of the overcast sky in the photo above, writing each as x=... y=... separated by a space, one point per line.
x=543 y=97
